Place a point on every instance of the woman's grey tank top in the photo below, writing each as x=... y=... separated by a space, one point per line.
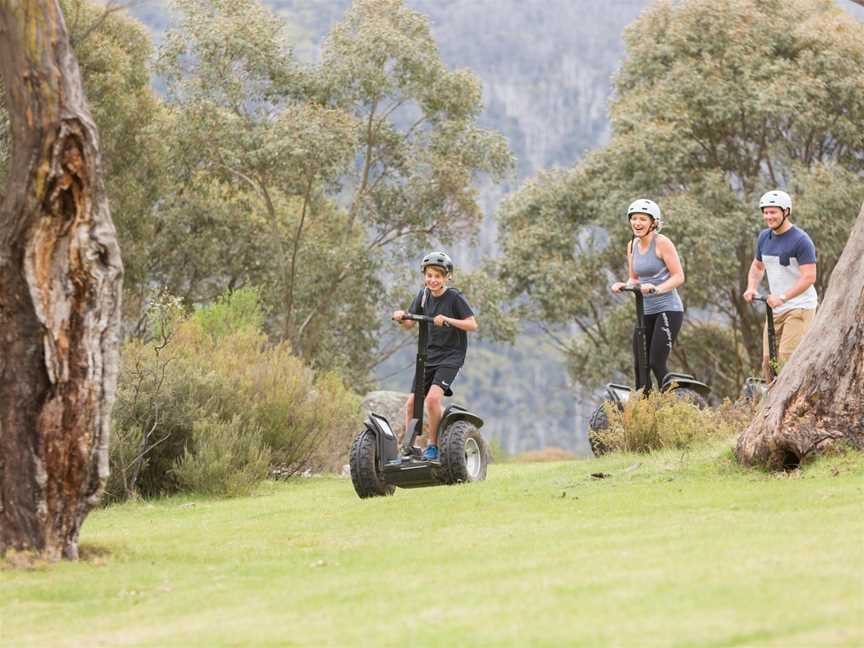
x=651 y=269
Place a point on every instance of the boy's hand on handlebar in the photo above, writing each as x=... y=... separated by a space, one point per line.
x=398 y=315
x=749 y=294
x=440 y=320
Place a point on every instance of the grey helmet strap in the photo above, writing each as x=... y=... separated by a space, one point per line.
x=423 y=300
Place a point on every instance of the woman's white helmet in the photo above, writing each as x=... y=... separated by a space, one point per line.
x=645 y=206
x=779 y=199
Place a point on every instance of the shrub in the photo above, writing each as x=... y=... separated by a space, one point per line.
x=232 y=312
x=664 y=420
x=225 y=458
x=215 y=366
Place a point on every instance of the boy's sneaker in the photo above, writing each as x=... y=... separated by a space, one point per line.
x=431 y=453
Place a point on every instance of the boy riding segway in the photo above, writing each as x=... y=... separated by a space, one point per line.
x=448 y=343
x=456 y=451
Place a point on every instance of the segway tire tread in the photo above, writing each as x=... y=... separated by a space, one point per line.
x=691 y=396
x=364 y=467
x=451 y=448
x=599 y=422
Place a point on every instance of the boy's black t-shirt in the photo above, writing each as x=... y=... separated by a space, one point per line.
x=447 y=345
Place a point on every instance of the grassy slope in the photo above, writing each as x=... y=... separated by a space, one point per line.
x=673 y=552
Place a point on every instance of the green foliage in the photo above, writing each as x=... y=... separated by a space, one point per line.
x=715 y=103
x=217 y=366
x=666 y=421
x=226 y=458
x=294 y=178
x=231 y=312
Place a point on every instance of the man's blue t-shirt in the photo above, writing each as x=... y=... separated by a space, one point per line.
x=783 y=255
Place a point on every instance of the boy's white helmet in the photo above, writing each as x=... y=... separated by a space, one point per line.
x=778 y=198
x=645 y=206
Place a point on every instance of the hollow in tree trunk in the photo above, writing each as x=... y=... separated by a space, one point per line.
x=60 y=277
x=817 y=401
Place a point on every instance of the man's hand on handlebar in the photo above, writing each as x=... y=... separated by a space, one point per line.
x=774 y=301
x=618 y=286
x=749 y=294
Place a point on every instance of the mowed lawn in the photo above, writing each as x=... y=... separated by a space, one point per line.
x=667 y=550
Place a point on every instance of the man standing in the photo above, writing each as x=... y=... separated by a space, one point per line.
x=788 y=255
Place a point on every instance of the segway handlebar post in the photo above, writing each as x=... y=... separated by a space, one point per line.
x=772 y=336
x=416 y=423
x=644 y=375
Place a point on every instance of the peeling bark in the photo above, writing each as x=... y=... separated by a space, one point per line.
x=60 y=280
x=817 y=402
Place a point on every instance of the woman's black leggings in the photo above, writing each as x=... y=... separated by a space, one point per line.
x=661 y=329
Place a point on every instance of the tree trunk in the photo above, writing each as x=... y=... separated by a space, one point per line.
x=60 y=279
x=817 y=402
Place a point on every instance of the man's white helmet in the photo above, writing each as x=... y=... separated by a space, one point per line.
x=645 y=206
x=776 y=199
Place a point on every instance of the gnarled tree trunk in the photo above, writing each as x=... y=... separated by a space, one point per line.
x=818 y=400
x=60 y=277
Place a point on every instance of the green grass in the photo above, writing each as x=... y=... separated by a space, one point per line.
x=670 y=550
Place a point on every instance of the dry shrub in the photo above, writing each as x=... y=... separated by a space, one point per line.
x=664 y=420
x=215 y=373
x=224 y=458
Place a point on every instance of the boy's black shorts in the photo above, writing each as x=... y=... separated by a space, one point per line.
x=441 y=376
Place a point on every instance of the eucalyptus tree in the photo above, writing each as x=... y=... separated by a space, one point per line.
x=714 y=104
x=315 y=181
x=60 y=274
x=115 y=53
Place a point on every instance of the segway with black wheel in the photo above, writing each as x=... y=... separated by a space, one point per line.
x=682 y=385
x=756 y=388
x=378 y=465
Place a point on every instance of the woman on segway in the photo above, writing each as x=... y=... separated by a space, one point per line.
x=653 y=263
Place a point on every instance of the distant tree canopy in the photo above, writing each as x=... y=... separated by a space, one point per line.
x=715 y=104
x=315 y=182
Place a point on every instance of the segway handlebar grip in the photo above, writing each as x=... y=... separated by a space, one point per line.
x=636 y=288
x=416 y=318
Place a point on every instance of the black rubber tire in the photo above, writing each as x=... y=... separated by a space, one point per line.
x=456 y=467
x=363 y=461
x=599 y=422
x=691 y=396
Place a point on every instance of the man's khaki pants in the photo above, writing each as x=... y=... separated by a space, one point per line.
x=789 y=328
